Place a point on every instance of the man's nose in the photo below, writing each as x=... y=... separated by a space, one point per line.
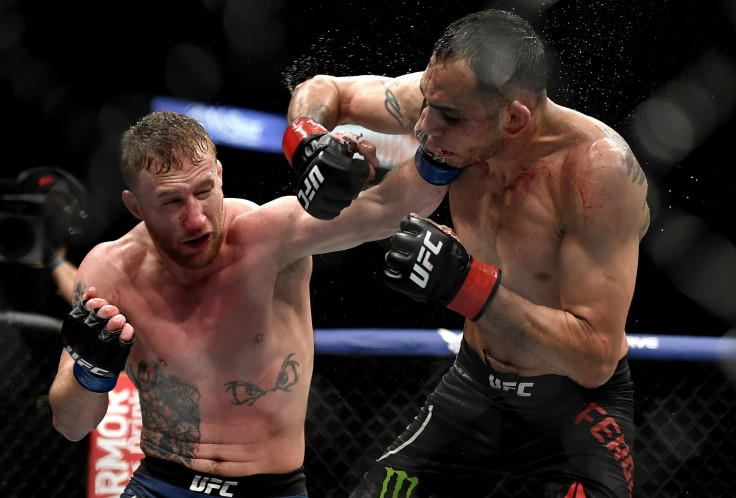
x=429 y=122
x=192 y=215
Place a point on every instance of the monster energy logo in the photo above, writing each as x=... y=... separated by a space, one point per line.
x=398 y=485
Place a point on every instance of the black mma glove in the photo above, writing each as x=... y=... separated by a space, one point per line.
x=427 y=263
x=99 y=354
x=329 y=177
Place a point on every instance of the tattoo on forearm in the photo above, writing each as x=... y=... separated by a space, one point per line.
x=170 y=413
x=247 y=393
x=392 y=103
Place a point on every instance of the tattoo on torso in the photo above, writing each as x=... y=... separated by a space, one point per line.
x=247 y=393
x=171 y=425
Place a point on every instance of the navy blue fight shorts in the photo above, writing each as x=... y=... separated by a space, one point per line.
x=481 y=430
x=156 y=478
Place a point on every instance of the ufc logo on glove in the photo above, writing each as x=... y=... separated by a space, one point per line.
x=312 y=183
x=422 y=267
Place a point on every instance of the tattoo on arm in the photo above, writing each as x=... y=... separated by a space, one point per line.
x=392 y=103
x=634 y=170
x=247 y=393
x=632 y=165
x=170 y=411
x=79 y=291
x=645 y=225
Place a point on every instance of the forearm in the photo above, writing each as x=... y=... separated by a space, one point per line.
x=566 y=343
x=384 y=105
x=317 y=98
x=76 y=410
x=402 y=192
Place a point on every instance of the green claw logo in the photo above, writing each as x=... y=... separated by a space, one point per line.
x=401 y=478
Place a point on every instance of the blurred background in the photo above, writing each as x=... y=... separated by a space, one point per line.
x=75 y=75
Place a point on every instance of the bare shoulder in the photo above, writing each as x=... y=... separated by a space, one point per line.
x=613 y=154
x=111 y=262
x=238 y=206
x=265 y=224
x=609 y=181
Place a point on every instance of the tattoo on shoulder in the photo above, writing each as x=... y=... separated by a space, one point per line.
x=633 y=169
x=170 y=413
x=392 y=103
x=247 y=393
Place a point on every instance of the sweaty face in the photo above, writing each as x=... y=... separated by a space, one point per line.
x=183 y=210
x=455 y=125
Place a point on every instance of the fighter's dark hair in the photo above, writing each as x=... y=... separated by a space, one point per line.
x=503 y=50
x=160 y=141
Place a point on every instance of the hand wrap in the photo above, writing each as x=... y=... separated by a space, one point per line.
x=99 y=354
x=329 y=177
x=433 y=171
x=427 y=263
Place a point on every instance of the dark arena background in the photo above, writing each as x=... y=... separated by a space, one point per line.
x=75 y=75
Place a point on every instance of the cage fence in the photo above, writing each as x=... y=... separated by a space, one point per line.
x=684 y=446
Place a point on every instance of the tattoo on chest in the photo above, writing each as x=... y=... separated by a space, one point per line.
x=171 y=408
x=247 y=393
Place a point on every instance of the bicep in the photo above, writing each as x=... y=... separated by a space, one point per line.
x=599 y=258
x=597 y=279
x=381 y=104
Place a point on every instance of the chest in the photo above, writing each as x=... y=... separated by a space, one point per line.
x=223 y=319
x=516 y=225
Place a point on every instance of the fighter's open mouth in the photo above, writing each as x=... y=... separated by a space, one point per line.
x=199 y=240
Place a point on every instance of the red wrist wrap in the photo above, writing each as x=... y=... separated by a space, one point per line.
x=296 y=132
x=477 y=290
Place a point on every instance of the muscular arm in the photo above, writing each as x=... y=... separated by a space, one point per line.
x=76 y=410
x=385 y=105
x=585 y=338
x=374 y=215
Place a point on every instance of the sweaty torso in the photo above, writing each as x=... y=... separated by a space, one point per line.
x=223 y=364
x=516 y=220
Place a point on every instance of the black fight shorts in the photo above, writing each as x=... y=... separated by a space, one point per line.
x=481 y=430
x=156 y=478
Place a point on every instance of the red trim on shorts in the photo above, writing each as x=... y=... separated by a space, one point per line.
x=576 y=491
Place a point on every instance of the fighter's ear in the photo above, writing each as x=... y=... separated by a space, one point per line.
x=131 y=203
x=516 y=117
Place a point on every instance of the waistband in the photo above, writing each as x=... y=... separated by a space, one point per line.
x=548 y=386
x=174 y=474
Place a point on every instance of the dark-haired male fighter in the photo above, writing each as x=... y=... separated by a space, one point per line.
x=550 y=218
